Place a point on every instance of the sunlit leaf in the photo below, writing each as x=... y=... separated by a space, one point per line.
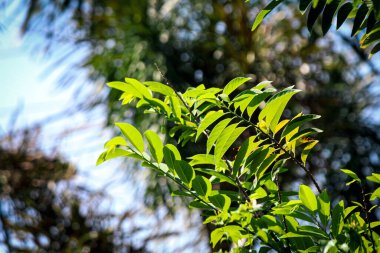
x=155 y=145
x=234 y=84
x=210 y=118
x=308 y=198
x=215 y=133
x=264 y=12
x=132 y=134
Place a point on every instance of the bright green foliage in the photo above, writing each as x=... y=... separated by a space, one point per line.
x=251 y=126
x=365 y=15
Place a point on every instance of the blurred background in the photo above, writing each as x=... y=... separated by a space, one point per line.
x=56 y=112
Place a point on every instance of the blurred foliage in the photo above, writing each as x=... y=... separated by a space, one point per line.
x=364 y=14
x=42 y=210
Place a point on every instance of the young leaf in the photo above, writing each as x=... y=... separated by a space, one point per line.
x=263 y=13
x=234 y=84
x=155 y=145
x=308 y=198
x=184 y=171
x=202 y=186
x=210 y=118
x=132 y=134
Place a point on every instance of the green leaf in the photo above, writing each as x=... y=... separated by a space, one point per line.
x=312 y=231
x=375 y=194
x=370 y=38
x=324 y=207
x=208 y=159
x=374 y=50
x=304 y=133
x=351 y=174
x=210 y=118
x=343 y=13
x=155 y=145
x=375 y=177
x=293 y=235
x=275 y=106
x=141 y=88
x=202 y=186
x=256 y=101
x=216 y=235
x=171 y=154
x=221 y=201
x=132 y=134
x=245 y=149
x=113 y=153
x=305 y=152
x=314 y=13
x=263 y=13
x=226 y=139
x=160 y=88
x=328 y=15
x=161 y=106
x=115 y=141
x=303 y=5
x=216 y=131
x=184 y=171
x=308 y=198
x=220 y=176
x=359 y=19
x=200 y=205
x=127 y=88
x=376 y=8
x=176 y=107
x=337 y=219
x=234 y=84
x=297 y=122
